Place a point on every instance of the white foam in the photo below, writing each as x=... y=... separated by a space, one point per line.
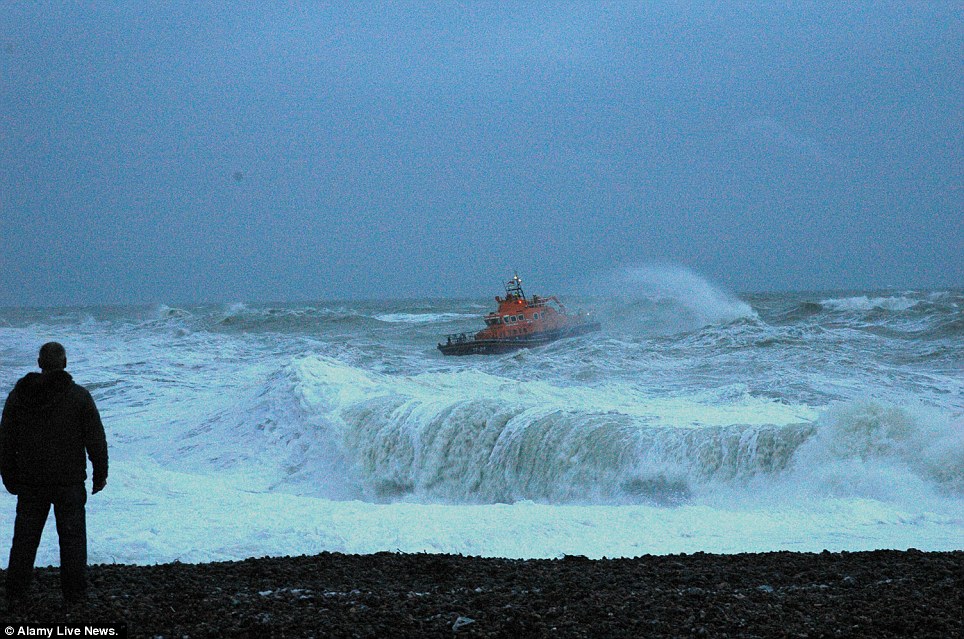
x=864 y=303
x=149 y=514
x=421 y=318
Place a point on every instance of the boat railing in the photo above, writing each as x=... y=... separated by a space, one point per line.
x=544 y=301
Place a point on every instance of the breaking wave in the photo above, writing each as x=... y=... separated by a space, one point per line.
x=343 y=433
x=877 y=450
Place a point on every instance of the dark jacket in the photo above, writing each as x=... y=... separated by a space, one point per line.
x=48 y=425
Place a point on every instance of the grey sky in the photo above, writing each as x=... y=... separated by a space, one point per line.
x=184 y=151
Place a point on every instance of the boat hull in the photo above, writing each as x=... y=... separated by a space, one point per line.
x=507 y=344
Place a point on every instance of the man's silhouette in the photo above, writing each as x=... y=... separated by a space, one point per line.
x=49 y=426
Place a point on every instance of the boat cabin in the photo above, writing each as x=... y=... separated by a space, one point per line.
x=518 y=315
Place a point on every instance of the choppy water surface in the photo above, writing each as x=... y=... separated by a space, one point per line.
x=696 y=420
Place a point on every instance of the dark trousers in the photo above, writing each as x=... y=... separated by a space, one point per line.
x=33 y=506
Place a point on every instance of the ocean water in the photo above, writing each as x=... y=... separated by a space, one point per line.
x=697 y=420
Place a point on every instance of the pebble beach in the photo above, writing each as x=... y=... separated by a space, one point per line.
x=780 y=594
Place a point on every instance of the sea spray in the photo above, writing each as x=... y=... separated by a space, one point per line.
x=661 y=299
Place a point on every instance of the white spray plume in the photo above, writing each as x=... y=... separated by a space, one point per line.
x=666 y=298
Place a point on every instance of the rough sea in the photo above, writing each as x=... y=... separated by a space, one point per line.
x=697 y=420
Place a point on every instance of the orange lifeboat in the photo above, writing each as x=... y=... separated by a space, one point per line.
x=520 y=322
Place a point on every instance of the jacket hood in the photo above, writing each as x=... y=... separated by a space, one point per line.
x=40 y=388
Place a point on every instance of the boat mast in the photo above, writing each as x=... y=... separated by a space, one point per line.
x=514 y=288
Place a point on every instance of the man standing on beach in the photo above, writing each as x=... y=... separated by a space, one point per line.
x=49 y=426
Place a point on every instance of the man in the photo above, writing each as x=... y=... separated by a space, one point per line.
x=48 y=425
